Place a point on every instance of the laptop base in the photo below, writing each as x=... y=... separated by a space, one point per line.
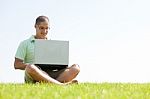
x=51 y=66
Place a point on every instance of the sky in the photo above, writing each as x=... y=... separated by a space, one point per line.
x=109 y=39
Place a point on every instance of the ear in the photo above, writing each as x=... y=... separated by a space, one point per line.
x=35 y=25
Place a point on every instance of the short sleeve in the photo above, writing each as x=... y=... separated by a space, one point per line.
x=21 y=51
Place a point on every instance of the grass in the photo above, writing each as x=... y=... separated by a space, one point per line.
x=80 y=91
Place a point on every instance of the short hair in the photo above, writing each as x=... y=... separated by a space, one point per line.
x=41 y=19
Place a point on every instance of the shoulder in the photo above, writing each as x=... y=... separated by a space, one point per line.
x=24 y=42
x=27 y=41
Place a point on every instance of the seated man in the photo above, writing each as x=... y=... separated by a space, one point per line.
x=34 y=73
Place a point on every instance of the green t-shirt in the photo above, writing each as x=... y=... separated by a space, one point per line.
x=25 y=50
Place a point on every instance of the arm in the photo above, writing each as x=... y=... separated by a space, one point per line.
x=20 y=56
x=18 y=64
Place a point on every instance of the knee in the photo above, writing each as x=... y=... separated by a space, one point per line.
x=75 y=68
x=30 y=69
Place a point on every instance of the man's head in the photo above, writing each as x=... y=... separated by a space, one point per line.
x=42 y=27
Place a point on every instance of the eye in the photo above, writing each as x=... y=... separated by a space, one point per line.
x=41 y=28
x=47 y=28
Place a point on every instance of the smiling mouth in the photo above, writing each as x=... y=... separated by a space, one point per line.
x=44 y=33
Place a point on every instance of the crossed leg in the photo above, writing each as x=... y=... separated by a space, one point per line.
x=38 y=75
x=69 y=74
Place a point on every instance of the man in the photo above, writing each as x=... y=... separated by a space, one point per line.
x=33 y=73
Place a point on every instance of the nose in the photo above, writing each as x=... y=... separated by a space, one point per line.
x=45 y=31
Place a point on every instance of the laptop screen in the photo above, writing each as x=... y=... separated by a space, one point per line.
x=52 y=52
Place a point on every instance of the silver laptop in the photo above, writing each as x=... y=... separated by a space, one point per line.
x=51 y=52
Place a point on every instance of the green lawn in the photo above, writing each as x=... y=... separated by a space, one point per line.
x=76 y=91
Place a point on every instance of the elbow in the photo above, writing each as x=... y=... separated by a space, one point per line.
x=17 y=63
x=15 y=66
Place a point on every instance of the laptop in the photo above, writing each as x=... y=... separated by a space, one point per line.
x=51 y=53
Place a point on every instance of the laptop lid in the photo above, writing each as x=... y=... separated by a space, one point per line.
x=51 y=52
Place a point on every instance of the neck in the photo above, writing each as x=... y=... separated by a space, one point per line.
x=40 y=38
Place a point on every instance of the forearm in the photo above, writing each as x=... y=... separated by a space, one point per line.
x=21 y=66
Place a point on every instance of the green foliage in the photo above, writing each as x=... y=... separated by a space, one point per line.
x=75 y=91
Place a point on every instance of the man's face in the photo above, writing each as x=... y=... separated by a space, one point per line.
x=42 y=30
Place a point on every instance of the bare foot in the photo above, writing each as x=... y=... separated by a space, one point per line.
x=74 y=81
x=71 y=82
